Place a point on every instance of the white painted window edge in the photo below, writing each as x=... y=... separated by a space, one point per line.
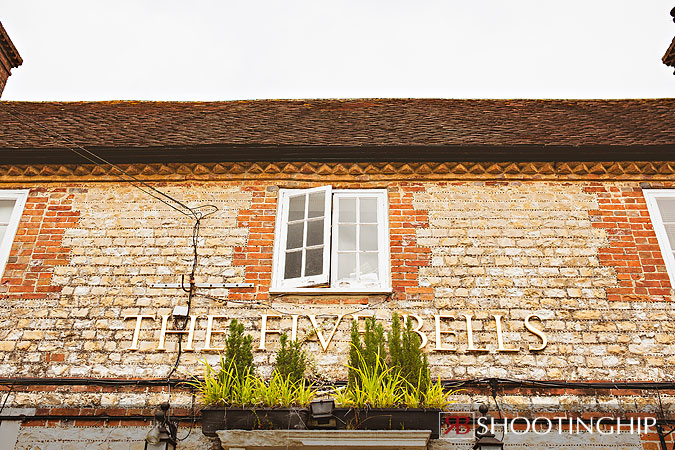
x=330 y=291
x=657 y=222
x=279 y=249
x=384 y=263
x=19 y=197
x=276 y=286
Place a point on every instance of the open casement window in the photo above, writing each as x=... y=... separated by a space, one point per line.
x=661 y=206
x=11 y=208
x=303 y=237
x=331 y=241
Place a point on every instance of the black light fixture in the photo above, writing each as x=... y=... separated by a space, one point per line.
x=321 y=414
x=486 y=440
x=162 y=435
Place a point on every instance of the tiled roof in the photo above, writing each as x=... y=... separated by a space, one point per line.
x=8 y=49
x=669 y=57
x=363 y=122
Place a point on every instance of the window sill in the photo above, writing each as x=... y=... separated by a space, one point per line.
x=331 y=291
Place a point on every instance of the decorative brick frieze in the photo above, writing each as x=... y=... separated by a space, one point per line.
x=421 y=171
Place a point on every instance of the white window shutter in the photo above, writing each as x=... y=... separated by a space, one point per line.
x=302 y=252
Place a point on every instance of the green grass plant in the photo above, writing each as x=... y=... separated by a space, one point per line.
x=375 y=385
x=437 y=397
x=380 y=386
x=225 y=386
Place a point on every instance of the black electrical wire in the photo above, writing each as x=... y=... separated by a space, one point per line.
x=190 y=291
x=494 y=385
x=58 y=381
x=192 y=423
x=659 y=427
x=9 y=392
x=449 y=383
x=96 y=159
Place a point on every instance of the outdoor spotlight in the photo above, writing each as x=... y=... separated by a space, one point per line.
x=162 y=435
x=487 y=440
x=320 y=409
x=321 y=414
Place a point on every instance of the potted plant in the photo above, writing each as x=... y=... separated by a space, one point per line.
x=235 y=398
x=394 y=392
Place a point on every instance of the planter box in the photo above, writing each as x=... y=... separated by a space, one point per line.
x=389 y=419
x=214 y=419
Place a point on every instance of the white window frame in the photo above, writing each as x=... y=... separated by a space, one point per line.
x=19 y=197
x=281 y=237
x=651 y=195
x=278 y=285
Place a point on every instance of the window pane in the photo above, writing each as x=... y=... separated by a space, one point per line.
x=294 y=238
x=314 y=232
x=314 y=261
x=368 y=210
x=347 y=237
x=296 y=207
x=368 y=237
x=346 y=266
x=347 y=211
x=670 y=231
x=317 y=204
x=293 y=265
x=667 y=208
x=3 y=229
x=6 y=207
x=369 y=269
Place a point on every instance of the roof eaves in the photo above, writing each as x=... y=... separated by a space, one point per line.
x=8 y=48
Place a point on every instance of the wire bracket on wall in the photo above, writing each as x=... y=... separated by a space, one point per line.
x=202 y=285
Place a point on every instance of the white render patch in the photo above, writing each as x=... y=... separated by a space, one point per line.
x=9 y=431
x=68 y=437
x=324 y=439
x=132 y=438
x=553 y=441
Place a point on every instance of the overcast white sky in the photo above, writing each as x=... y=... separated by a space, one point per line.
x=223 y=50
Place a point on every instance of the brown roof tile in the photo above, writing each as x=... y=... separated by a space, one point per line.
x=355 y=123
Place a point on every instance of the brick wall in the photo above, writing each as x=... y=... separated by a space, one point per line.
x=87 y=255
x=581 y=255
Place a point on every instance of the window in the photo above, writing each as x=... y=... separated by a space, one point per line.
x=11 y=207
x=661 y=206
x=330 y=240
